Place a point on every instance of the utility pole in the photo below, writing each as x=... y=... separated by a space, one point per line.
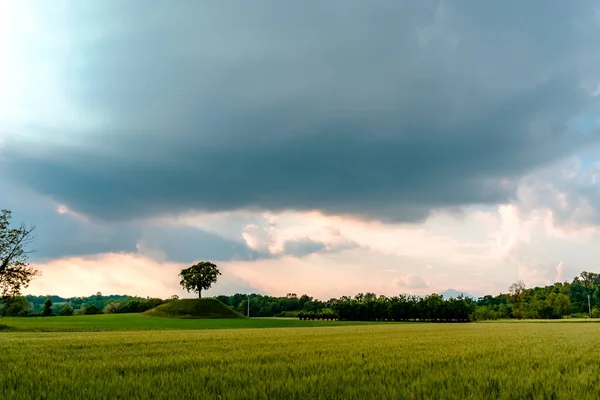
x=589 y=306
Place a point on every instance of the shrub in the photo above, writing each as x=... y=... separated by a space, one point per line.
x=289 y=314
x=17 y=306
x=579 y=315
x=24 y=313
x=89 y=310
x=328 y=314
x=111 y=308
x=66 y=310
x=484 y=313
x=134 y=305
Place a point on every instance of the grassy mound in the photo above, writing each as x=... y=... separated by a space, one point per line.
x=194 y=308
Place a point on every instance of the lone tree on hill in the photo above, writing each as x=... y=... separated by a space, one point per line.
x=15 y=272
x=199 y=277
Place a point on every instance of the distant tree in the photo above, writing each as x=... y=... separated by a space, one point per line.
x=111 y=307
x=16 y=306
x=589 y=278
x=174 y=297
x=15 y=272
x=517 y=297
x=559 y=304
x=199 y=277
x=89 y=309
x=47 y=307
x=66 y=310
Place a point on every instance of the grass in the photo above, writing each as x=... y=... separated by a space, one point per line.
x=383 y=361
x=141 y=322
x=194 y=308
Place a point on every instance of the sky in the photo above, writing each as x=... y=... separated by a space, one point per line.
x=328 y=148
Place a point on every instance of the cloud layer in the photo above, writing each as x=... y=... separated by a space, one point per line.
x=380 y=110
x=333 y=148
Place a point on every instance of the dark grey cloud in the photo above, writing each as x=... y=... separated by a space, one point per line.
x=378 y=109
x=65 y=235
x=60 y=235
x=186 y=244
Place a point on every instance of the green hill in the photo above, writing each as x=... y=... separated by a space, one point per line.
x=194 y=308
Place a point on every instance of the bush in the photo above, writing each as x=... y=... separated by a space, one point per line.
x=288 y=314
x=579 y=315
x=305 y=315
x=17 y=306
x=483 y=313
x=89 y=310
x=111 y=308
x=66 y=310
x=328 y=314
x=24 y=313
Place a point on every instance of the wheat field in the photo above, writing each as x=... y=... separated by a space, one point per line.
x=383 y=361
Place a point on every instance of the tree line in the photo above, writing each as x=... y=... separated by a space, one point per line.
x=578 y=298
x=362 y=307
x=33 y=306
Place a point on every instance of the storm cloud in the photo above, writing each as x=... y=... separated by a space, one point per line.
x=61 y=233
x=385 y=110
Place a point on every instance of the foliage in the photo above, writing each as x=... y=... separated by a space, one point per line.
x=323 y=315
x=555 y=301
x=199 y=277
x=362 y=307
x=550 y=302
x=270 y=306
x=66 y=311
x=16 y=306
x=131 y=305
x=432 y=308
x=15 y=272
x=90 y=309
x=391 y=361
x=115 y=303
x=289 y=314
x=47 y=308
x=194 y=308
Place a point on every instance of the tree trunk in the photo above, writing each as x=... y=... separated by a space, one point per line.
x=200 y=293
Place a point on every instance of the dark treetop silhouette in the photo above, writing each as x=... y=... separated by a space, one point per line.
x=199 y=277
x=15 y=272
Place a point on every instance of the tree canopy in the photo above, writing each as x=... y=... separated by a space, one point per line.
x=15 y=272
x=199 y=277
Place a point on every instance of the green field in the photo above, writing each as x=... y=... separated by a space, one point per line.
x=384 y=361
x=139 y=322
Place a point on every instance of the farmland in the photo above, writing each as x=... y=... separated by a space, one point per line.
x=137 y=322
x=452 y=361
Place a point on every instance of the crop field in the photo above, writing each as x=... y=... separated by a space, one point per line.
x=138 y=322
x=384 y=361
